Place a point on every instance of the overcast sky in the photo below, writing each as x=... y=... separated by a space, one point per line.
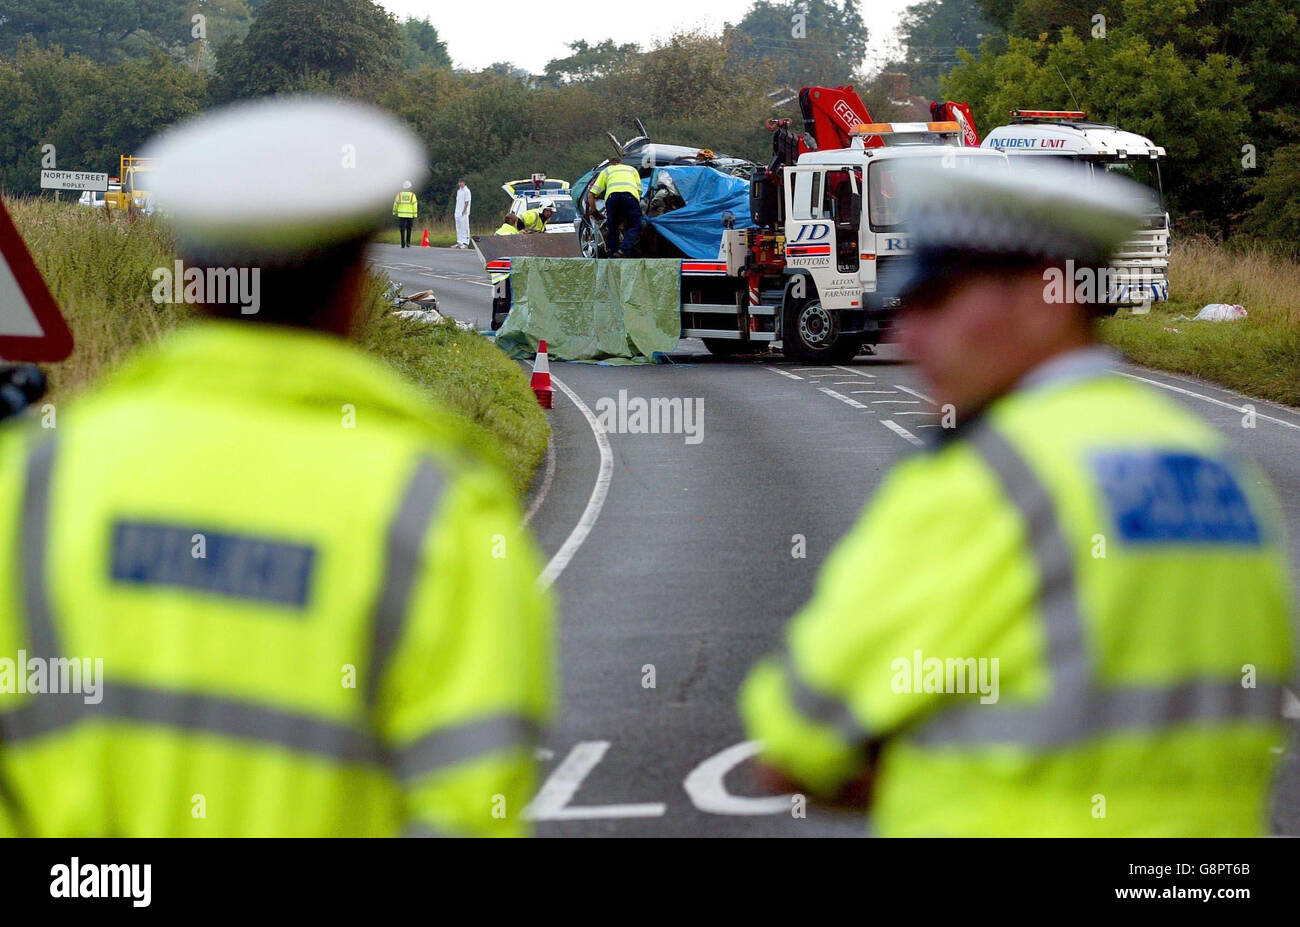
x=532 y=32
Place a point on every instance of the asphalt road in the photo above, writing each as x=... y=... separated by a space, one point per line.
x=685 y=568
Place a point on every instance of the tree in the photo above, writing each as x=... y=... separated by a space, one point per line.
x=103 y=30
x=90 y=113
x=689 y=77
x=308 y=45
x=1205 y=43
x=591 y=62
x=1126 y=80
x=1276 y=216
x=804 y=41
x=421 y=46
x=932 y=32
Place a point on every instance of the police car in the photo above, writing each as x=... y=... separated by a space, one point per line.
x=1140 y=270
x=538 y=189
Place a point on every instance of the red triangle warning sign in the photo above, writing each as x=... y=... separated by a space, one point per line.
x=31 y=326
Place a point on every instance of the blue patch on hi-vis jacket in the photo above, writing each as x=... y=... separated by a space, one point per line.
x=1174 y=497
x=154 y=554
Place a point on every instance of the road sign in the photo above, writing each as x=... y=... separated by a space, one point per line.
x=31 y=326
x=74 y=180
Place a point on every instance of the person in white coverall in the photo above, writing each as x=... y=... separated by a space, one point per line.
x=462 y=214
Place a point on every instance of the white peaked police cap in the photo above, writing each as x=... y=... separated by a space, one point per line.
x=279 y=178
x=976 y=207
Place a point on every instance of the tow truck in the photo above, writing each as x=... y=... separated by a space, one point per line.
x=1139 y=273
x=806 y=280
x=827 y=234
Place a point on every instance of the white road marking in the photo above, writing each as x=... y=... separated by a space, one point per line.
x=855 y=372
x=783 y=373
x=903 y=432
x=1290 y=704
x=842 y=398
x=551 y=803
x=894 y=402
x=546 y=481
x=1217 y=402
x=461 y=279
x=917 y=393
x=598 y=492
x=917 y=412
x=872 y=392
x=707 y=788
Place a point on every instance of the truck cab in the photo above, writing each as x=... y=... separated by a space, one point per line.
x=1140 y=271
x=132 y=193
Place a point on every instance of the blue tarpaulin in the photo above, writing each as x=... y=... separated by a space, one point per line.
x=696 y=228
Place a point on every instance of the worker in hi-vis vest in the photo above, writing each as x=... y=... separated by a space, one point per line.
x=619 y=185
x=1067 y=614
x=509 y=225
x=275 y=589
x=534 y=220
x=406 y=209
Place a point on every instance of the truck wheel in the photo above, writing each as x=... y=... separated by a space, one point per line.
x=810 y=334
x=730 y=347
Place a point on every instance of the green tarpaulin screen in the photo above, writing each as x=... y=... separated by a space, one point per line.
x=617 y=311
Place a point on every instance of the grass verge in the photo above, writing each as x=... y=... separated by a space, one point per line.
x=442 y=233
x=1259 y=355
x=99 y=270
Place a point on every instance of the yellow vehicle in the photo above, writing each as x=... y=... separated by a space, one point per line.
x=133 y=193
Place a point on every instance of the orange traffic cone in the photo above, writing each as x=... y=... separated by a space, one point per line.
x=424 y=242
x=542 y=378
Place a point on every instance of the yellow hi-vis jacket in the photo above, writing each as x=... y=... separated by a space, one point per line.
x=1125 y=572
x=314 y=609
x=532 y=220
x=405 y=207
x=617 y=178
x=506 y=229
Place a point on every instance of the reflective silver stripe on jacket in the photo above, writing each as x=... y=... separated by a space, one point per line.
x=450 y=745
x=822 y=708
x=403 y=548
x=33 y=544
x=1077 y=708
x=206 y=714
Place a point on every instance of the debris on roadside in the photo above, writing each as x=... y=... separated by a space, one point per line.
x=1220 y=312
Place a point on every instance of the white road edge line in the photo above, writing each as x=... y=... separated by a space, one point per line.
x=903 y=432
x=594 y=503
x=1217 y=402
x=546 y=481
x=842 y=398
